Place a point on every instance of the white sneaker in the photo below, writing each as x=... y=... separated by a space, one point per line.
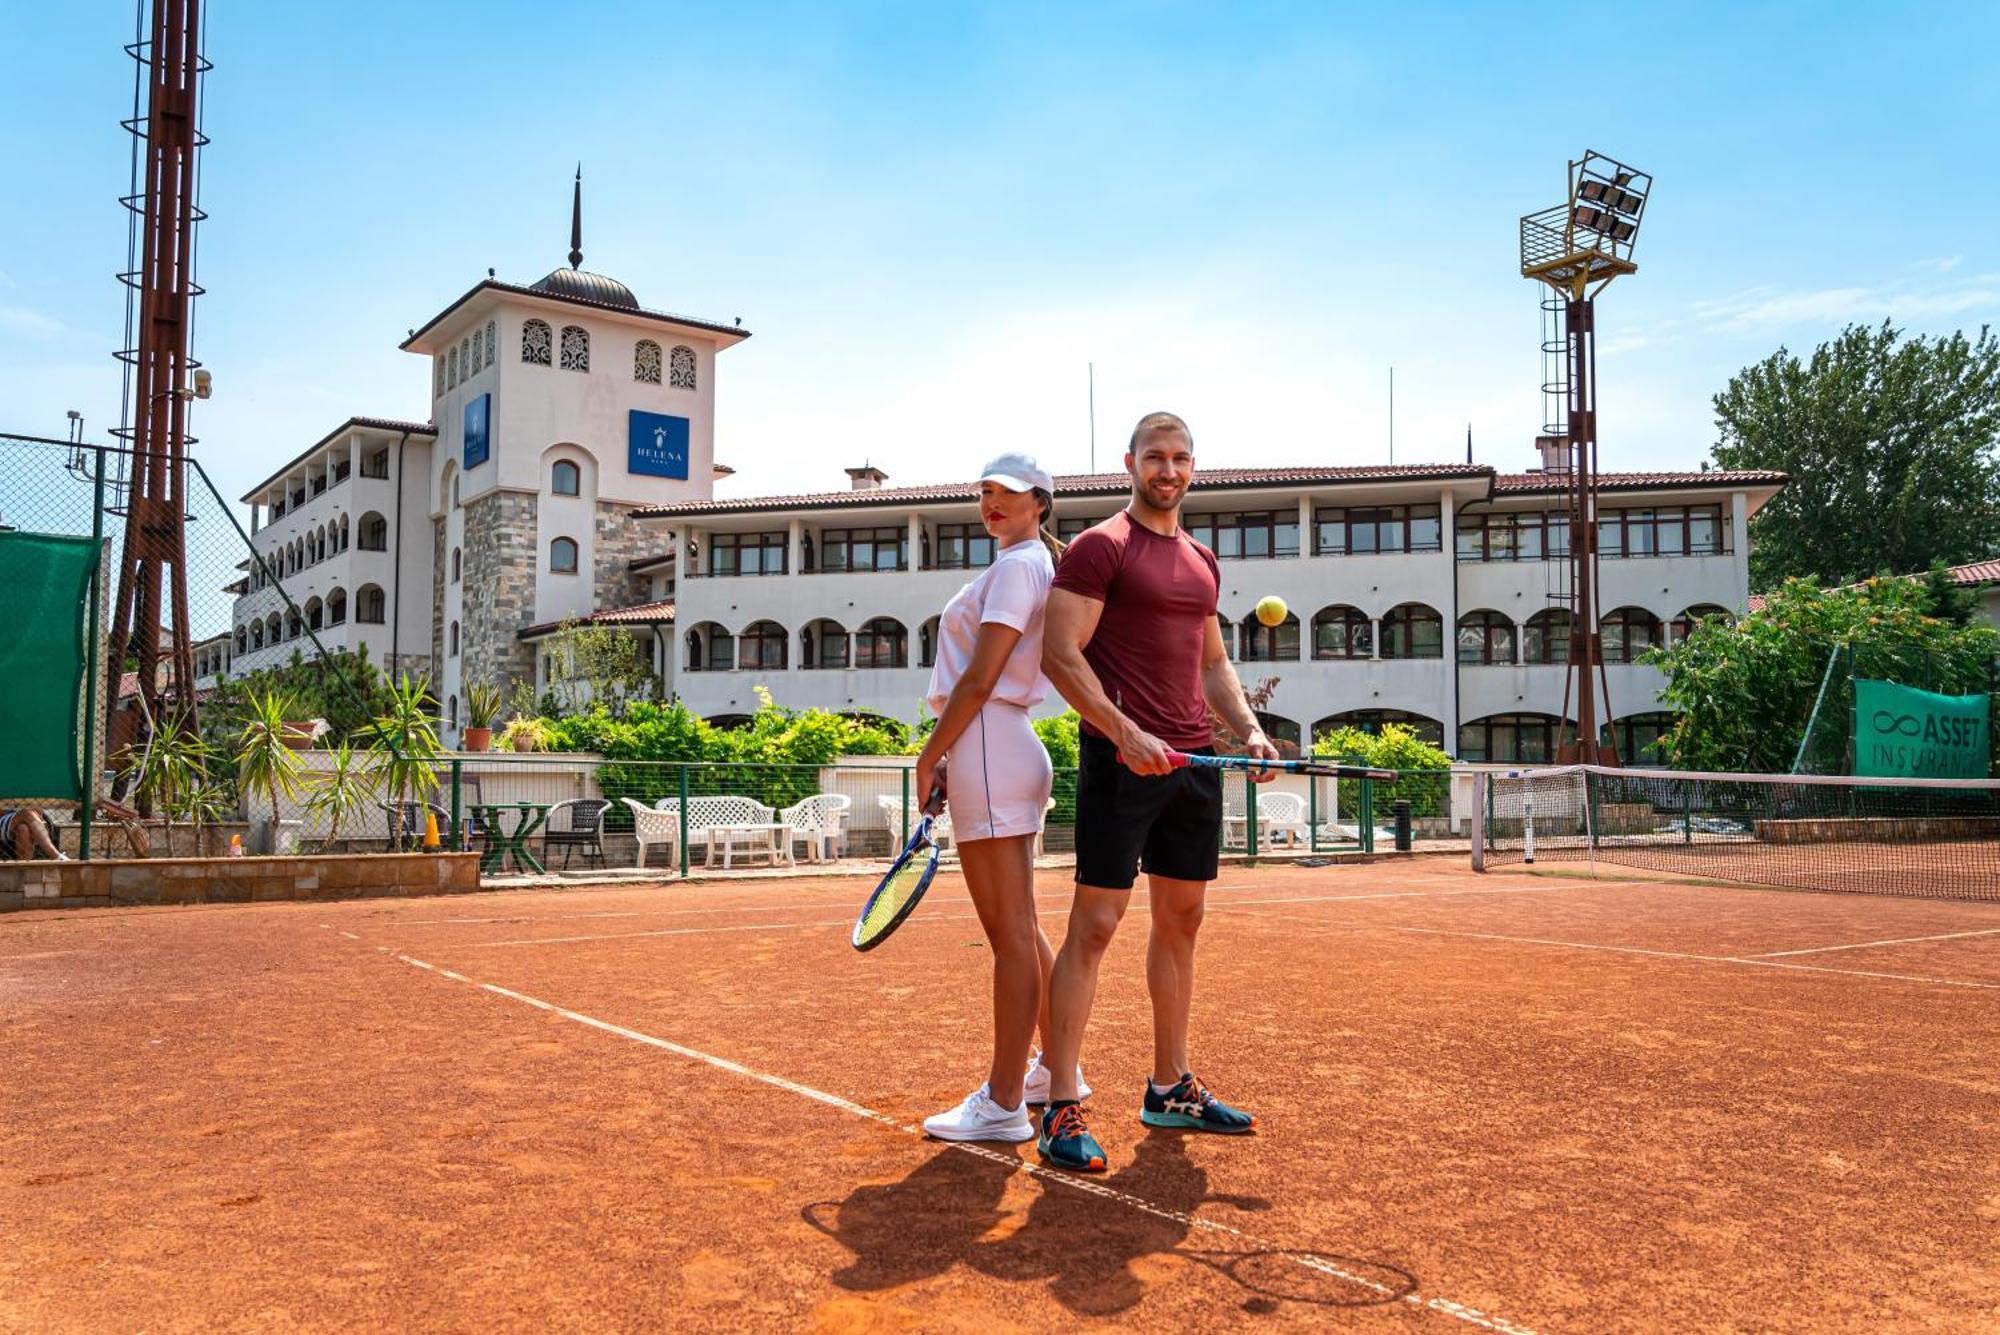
x=1036 y=1089
x=980 y=1118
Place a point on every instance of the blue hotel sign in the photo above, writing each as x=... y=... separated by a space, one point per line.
x=478 y=425
x=657 y=445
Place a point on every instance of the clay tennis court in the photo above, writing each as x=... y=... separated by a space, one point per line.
x=1504 y=1102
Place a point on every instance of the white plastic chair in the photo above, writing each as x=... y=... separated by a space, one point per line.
x=656 y=825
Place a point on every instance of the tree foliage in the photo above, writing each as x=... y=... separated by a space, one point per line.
x=1890 y=444
x=1744 y=691
x=1424 y=768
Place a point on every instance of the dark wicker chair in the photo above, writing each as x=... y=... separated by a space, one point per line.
x=412 y=838
x=577 y=823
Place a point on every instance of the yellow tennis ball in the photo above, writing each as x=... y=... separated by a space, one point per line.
x=1272 y=610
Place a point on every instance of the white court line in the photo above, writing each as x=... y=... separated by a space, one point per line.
x=1225 y=906
x=1749 y=960
x=1444 y=1306
x=1865 y=945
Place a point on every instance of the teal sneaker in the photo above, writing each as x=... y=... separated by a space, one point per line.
x=1066 y=1142
x=1190 y=1105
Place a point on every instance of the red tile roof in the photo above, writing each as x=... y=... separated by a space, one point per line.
x=1978 y=572
x=640 y=614
x=1752 y=477
x=1077 y=484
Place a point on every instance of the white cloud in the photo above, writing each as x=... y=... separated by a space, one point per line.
x=1766 y=307
x=1940 y=263
x=29 y=323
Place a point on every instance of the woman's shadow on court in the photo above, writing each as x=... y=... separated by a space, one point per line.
x=1090 y=1247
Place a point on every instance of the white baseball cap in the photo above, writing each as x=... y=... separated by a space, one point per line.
x=1017 y=472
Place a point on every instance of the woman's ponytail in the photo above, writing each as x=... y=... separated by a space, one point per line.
x=1047 y=530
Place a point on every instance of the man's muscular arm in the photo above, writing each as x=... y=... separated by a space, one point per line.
x=1068 y=623
x=1224 y=693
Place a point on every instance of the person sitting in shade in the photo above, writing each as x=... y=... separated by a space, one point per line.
x=25 y=833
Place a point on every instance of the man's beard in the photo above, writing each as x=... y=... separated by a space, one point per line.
x=1144 y=495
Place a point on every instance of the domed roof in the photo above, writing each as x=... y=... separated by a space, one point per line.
x=587 y=286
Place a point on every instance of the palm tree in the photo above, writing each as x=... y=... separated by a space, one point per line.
x=267 y=765
x=407 y=746
x=345 y=786
x=170 y=771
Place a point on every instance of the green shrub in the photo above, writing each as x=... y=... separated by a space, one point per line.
x=1425 y=768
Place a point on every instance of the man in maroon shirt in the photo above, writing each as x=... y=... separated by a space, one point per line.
x=1131 y=641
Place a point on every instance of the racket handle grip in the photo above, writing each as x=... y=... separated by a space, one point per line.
x=1178 y=759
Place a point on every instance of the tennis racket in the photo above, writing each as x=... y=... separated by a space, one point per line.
x=897 y=895
x=1182 y=760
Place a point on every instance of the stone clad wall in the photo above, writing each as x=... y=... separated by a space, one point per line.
x=64 y=885
x=498 y=588
x=621 y=540
x=439 y=574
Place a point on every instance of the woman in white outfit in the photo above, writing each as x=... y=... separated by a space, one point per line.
x=997 y=777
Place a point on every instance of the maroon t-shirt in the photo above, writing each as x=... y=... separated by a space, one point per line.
x=1159 y=595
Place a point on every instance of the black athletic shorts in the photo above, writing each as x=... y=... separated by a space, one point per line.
x=1168 y=824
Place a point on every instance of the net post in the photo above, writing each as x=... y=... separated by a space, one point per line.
x=904 y=841
x=1481 y=795
x=1367 y=815
x=1249 y=819
x=684 y=819
x=88 y=815
x=1312 y=812
x=457 y=790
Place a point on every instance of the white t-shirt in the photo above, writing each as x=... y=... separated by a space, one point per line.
x=1012 y=592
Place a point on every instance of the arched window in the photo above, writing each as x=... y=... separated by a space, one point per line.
x=1640 y=739
x=294 y=627
x=274 y=629
x=681 y=367
x=451 y=711
x=1341 y=631
x=454 y=493
x=575 y=348
x=1627 y=633
x=566 y=479
x=1270 y=644
x=1412 y=631
x=451 y=369
x=1545 y=638
x=1509 y=739
x=562 y=556
x=1485 y=637
x=535 y=342
x=823 y=644
x=646 y=362
x=457 y=564
x=927 y=643
x=452 y=650
x=242 y=641
x=1283 y=732
x=882 y=643
x=492 y=341
x=437 y=376
x=343 y=533
x=469 y=354
x=336 y=607
x=710 y=648
x=1685 y=623
x=315 y=614
x=1372 y=721
x=374 y=533
x=761 y=645
x=256 y=635
x=371 y=606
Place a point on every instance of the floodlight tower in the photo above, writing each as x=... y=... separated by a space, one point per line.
x=1577 y=248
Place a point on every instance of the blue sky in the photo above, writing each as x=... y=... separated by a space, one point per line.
x=934 y=217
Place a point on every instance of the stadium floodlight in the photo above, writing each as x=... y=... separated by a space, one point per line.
x=1576 y=248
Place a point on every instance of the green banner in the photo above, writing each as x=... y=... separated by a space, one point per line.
x=1905 y=733
x=44 y=593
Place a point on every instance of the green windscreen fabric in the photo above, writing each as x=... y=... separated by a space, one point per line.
x=1903 y=732
x=44 y=593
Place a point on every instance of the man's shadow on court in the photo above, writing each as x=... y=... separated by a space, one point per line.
x=1090 y=1247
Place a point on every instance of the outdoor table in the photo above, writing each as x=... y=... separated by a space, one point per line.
x=514 y=843
x=759 y=836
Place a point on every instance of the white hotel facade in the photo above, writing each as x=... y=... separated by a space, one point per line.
x=568 y=472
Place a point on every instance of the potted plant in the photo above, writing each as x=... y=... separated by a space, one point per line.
x=528 y=734
x=406 y=746
x=482 y=702
x=269 y=765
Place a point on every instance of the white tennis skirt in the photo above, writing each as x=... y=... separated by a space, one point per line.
x=997 y=776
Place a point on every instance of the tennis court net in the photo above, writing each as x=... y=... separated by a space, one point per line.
x=1926 y=838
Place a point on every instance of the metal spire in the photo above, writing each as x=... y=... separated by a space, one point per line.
x=576 y=222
